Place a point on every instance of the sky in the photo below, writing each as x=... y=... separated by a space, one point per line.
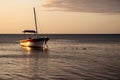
x=61 y=16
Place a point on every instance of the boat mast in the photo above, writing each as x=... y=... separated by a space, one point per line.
x=35 y=22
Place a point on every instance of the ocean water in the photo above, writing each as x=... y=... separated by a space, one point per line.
x=68 y=57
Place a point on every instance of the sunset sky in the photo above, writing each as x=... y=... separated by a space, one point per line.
x=61 y=16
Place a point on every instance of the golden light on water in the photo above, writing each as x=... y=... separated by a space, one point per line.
x=28 y=49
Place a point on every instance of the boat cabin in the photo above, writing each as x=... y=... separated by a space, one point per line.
x=30 y=31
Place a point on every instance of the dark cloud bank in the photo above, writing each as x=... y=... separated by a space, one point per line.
x=97 y=6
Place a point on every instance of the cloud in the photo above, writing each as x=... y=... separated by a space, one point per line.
x=97 y=6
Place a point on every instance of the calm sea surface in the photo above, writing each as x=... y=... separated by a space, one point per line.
x=68 y=57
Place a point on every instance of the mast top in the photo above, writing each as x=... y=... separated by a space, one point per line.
x=35 y=21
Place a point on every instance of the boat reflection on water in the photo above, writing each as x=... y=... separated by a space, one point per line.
x=35 y=50
x=36 y=62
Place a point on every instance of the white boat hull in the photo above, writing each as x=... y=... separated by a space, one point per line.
x=40 y=42
x=32 y=44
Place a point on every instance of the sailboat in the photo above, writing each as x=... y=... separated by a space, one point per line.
x=34 y=41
